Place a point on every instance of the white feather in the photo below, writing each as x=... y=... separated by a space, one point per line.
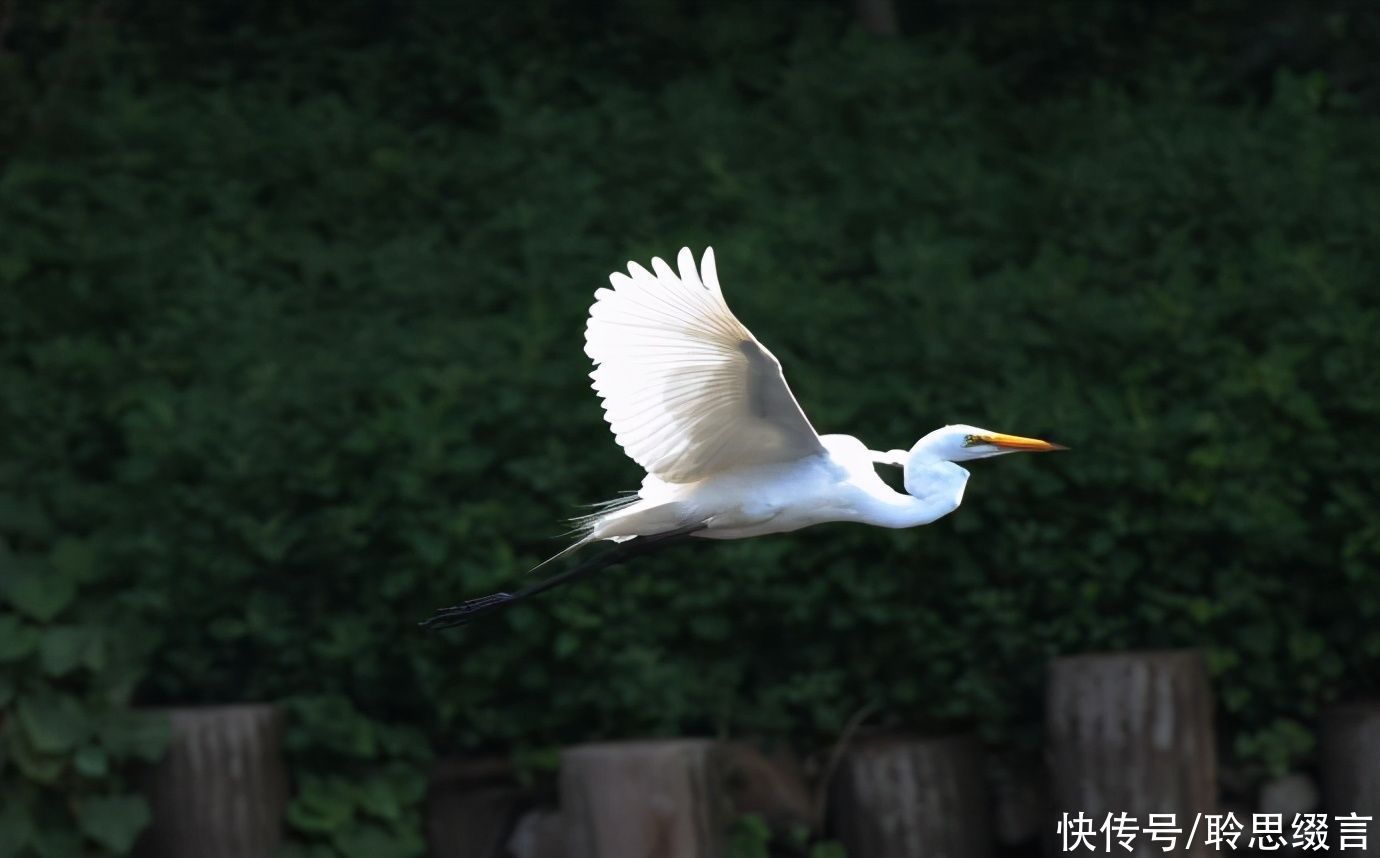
x=688 y=390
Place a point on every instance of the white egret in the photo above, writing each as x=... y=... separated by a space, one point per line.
x=702 y=406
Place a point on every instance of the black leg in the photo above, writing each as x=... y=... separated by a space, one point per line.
x=472 y=609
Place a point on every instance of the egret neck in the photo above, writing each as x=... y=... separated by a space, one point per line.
x=935 y=485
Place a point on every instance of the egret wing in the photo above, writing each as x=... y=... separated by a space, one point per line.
x=686 y=388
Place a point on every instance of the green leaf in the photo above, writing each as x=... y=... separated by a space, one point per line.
x=378 y=797
x=321 y=805
x=74 y=559
x=371 y=841
x=63 y=648
x=16 y=827
x=113 y=821
x=828 y=849
x=17 y=640
x=331 y=722
x=51 y=842
x=91 y=761
x=36 y=590
x=38 y=767
x=126 y=733
x=6 y=690
x=53 y=722
x=749 y=837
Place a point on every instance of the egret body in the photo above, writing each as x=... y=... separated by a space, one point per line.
x=703 y=407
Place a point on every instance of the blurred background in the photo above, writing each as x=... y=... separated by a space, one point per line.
x=291 y=313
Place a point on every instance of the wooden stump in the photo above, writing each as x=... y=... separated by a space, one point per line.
x=1019 y=796
x=1132 y=733
x=222 y=789
x=1351 y=759
x=539 y=833
x=473 y=824
x=655 y=799
x=771 y=786
x=472 y=805
x=907 y=798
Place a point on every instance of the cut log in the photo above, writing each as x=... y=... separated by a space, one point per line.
x=771 y=786
x=1019 y=796
x=1132 y=733
x=911 y=797
x=1351 y=759
x=473 y=823
x=539 y=833
x=877 y=17
x=654 y=799
x=472 y=805
x=222 y=789
x=1288 y=796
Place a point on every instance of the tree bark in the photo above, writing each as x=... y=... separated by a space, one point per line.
x=1351 y=759
x=474 y=823
x=907 y=798
x=877 y=17
x=222 y=789
x=1019 y=795
x=1132 y=733
x=654 y=799
x=540 y=833
x=472 y=805
x=772 y=786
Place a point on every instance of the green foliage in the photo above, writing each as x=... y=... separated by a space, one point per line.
x=69 y=741
x=749 y=836
x=366 y=801
x=290 y=340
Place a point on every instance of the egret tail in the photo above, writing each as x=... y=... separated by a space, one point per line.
x=569 y=549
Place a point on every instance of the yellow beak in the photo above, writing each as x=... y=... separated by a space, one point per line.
x=1016 y=442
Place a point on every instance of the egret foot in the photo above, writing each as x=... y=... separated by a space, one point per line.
x=458 y=615
x=469 y=610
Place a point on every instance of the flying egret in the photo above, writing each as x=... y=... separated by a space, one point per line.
x=697 y=401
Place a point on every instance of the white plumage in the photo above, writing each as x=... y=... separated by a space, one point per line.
x=689 y=391
x=703 y=407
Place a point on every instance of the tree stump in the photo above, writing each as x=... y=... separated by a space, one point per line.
x=1019 y=796
x=1351 y=759
x=655 y=799
x=472 y=805
x=1132 y=733
x=473 y=824
x=222 y=789
x=772 y=786
x=539 y=833
x=907 y=798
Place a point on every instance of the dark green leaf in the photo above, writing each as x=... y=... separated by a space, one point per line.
x=17 y=640
x=321 y=805
x=53 y=722
x=37 y=591
x=37 y=766
x=113 y=821
x=91 y=761
x=16 y=826
x=363 y=840
x=63 y=648
x=74 y=560
x=141 y=735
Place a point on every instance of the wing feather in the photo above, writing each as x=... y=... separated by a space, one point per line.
x=686 y=388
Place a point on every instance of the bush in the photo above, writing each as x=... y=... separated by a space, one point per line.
x=69 y=740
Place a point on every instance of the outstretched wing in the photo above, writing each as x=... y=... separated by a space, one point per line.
x=687 y=389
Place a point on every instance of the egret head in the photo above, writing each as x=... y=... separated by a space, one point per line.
x=960 y=443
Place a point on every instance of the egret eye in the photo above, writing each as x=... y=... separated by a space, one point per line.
x=972 y=440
